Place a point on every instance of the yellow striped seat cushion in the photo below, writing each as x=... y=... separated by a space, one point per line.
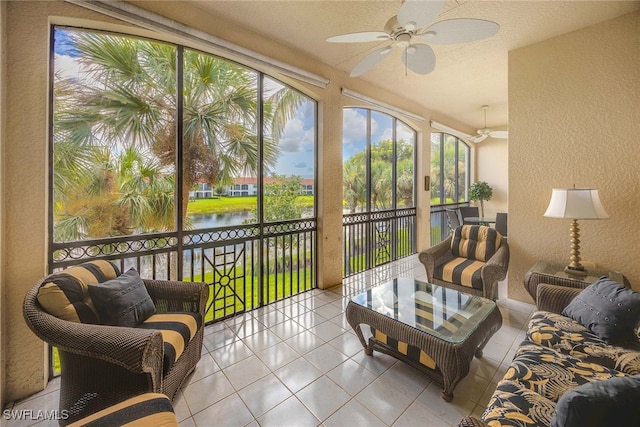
x=149 y=409
x=411 y=352
x=65 y=294
x=461 y=271
x=475 y=242
x=177 y=330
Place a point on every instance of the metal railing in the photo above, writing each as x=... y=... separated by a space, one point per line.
x=439 y=225
x=375 y=238
x=246 y=266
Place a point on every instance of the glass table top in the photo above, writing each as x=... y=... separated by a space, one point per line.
x=550 y=269
x=444 y=313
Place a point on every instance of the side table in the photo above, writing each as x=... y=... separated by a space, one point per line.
x=553 y=274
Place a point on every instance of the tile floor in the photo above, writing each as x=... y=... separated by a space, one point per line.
x=298 y=363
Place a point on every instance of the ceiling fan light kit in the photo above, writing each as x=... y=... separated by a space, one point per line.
x=410 y=30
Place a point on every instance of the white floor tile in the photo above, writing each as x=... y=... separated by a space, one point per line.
x=207 y=391
x=277 y=356
x=347 y=343
x=290 y=413
x=264 y=395
x=351 y=376
x=298 y=374
x=325 y=357
x=245 y=372
x=353 y=414
x=384 y=400
x=323 y=397
x=418 y=415
x=229 y=412
x=304 y=342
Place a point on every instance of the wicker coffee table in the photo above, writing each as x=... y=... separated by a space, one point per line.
x=434 y=329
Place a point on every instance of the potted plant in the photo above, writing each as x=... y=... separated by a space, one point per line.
x=481 y=191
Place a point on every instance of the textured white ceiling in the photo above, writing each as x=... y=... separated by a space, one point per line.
x=466 y=76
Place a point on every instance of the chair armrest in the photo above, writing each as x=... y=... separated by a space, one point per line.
x=169 y=295
x=495 y=269
x=554 y=298
x=428 y=257
x=472 y=422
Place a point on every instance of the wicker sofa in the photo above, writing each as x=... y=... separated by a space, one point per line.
x=102 y=365
x=556 y=369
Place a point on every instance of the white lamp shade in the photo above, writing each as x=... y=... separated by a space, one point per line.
x=575 y=203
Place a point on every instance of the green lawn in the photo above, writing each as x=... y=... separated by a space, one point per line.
x=233 y=204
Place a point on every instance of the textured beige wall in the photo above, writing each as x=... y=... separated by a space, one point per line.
x=3 y=39
x=574 y=118
x=24 y=192
x=25 y=160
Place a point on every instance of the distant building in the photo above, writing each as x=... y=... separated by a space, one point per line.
x=246 y=186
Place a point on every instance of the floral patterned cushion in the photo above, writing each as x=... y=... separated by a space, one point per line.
x=570 y=337
x=558 y=355
x=551 y=373
x=514 y=405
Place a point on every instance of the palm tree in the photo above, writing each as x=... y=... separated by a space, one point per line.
x=125 y=100
x=354 y=186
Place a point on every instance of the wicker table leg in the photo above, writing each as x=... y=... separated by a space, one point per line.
x=351 y=315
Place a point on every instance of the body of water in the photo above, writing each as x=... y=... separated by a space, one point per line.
x=202 y=221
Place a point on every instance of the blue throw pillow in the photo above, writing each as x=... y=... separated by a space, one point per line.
x=123 y=301
x=612 y=402
x=609 y=309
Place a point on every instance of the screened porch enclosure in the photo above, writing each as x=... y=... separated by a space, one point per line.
x=379 y=213
x=138 y=126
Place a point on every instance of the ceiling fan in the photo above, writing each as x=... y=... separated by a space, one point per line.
x=485 y=132
x=410 y=30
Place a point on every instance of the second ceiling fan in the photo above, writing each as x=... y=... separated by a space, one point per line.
x=485 y=132
x=410 y=30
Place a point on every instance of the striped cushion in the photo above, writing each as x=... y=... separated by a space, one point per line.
x=475 y=242
x=411 y=352
x=177 y=331
x=149 y=409
x=65 y=294
x=461 y=271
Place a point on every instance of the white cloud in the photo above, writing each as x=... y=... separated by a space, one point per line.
x=387 y=135
x=67 y=66
x=402 y=132
x=354 y=126
x=406 y=133
x=292 y=135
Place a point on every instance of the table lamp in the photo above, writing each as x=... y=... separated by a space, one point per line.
x=575 y=203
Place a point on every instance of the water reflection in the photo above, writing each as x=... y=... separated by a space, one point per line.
x=202 y=221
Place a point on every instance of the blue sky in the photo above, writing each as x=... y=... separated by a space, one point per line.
x=354 y=130
x=297 y=144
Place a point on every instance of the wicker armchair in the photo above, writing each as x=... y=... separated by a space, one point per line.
x=103 y=365
x=451 y=251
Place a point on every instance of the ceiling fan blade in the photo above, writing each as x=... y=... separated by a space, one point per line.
x=419 y=58
x=502 y=134
x=459 y=31
x=477 y=138
x=419 y=13
x=370 y=61
x=365 y=36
